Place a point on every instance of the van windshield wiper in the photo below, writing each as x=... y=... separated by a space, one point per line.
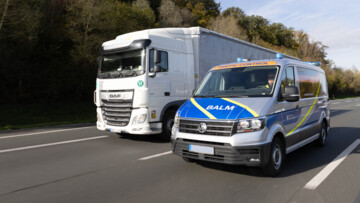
x=227 y=96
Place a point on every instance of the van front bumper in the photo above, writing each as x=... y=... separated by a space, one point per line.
x=256 y=155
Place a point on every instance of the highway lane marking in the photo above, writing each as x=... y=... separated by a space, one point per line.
x=320 y=177
x=358 y=105
x=38 y=133
x=154 y=156
x=51 y=144
x=335 y=103
x=348 y=101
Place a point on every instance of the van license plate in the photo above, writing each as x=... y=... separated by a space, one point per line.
x=201 y=149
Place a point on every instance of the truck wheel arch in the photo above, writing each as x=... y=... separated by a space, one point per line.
x=175 y=105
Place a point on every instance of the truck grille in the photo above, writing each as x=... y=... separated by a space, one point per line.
x=217 y=128
x=116 y=112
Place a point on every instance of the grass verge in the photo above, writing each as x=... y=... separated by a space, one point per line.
x=16 y=116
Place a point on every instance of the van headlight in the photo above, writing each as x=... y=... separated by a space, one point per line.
x=250 y=125
x=139 y=119
x=177 y=120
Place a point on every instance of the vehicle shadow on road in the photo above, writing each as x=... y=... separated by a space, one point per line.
x=334 y=113
x=304 y=159
x=156 y=138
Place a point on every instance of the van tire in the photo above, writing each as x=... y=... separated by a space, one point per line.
x=321 y=141
x=167 y=123
x=275 y=158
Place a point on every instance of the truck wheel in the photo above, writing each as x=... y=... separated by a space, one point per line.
x=167 y=124
x=321 y=141
x=275 y=158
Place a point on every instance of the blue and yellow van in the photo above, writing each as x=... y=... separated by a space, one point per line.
x=253 y=113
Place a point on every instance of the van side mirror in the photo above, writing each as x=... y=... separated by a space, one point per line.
x=157 y=57
x=291 y=94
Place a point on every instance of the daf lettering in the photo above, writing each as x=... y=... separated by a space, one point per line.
x=115 y=95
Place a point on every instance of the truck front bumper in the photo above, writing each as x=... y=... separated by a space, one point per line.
x=256 y=155
x=145 y=128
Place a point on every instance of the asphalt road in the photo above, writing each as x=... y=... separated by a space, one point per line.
x=81 y=164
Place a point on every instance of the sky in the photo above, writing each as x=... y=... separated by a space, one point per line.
x=334 y=23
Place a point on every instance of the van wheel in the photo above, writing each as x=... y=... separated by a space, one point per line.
x=321 y=141
x=167 y=124
x=275 y=158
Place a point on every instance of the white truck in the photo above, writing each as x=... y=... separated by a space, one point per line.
x=145 y=76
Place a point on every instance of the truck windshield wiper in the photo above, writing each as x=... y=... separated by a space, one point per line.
x=117 y=75
x=104 y=75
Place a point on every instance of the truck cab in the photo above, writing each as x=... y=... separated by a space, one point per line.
x=253 y=113
x=143 y=78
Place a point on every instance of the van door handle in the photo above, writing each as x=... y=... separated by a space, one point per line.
x=167 y=93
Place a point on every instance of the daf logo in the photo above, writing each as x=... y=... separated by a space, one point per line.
x=115 y=95
x=202 y=127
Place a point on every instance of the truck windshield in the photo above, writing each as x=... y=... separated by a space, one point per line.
x=120 y=65
x=239 y=82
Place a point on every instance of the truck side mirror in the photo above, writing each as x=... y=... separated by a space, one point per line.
x=157 y=57
x=291 y=94
x=157 y=68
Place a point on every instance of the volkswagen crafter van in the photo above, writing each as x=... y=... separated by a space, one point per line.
x=253 y=113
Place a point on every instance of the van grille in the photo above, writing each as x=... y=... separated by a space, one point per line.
x=217 y=128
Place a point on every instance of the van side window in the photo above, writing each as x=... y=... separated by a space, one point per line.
x=163 y=64
x=288 y=78
x=311 y=84
x=324 y=88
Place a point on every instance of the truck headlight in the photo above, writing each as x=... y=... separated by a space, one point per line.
x=177 y=120
x=139 y=119
x=250 y=125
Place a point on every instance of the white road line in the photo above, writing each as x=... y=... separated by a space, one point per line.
x=154 y=156
x=38 y=133
x=50 y=144
x=320 y=177
x=358 y=105
x=348 y=101
x=335 y=103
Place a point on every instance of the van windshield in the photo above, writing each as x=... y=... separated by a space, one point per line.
x=239 y=82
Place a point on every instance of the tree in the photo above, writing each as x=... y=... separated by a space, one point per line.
x=169 y=14
x=234 y=12
x=202 y=10
x=227 y=25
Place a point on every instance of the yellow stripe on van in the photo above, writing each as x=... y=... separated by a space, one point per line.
x=242 y=105
x=298 y=125
x=202 y=109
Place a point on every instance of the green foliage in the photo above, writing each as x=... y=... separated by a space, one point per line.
x=202 y=10
x=48 y=48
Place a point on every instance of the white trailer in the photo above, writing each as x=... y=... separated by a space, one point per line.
x=145 y=76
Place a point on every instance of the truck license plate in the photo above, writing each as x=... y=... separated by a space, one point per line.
x=201 y=149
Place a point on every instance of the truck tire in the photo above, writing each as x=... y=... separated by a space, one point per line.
x=275 y=158
x=167 y=124
x=321 y=141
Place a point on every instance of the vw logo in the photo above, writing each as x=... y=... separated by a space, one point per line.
x=202 y=127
